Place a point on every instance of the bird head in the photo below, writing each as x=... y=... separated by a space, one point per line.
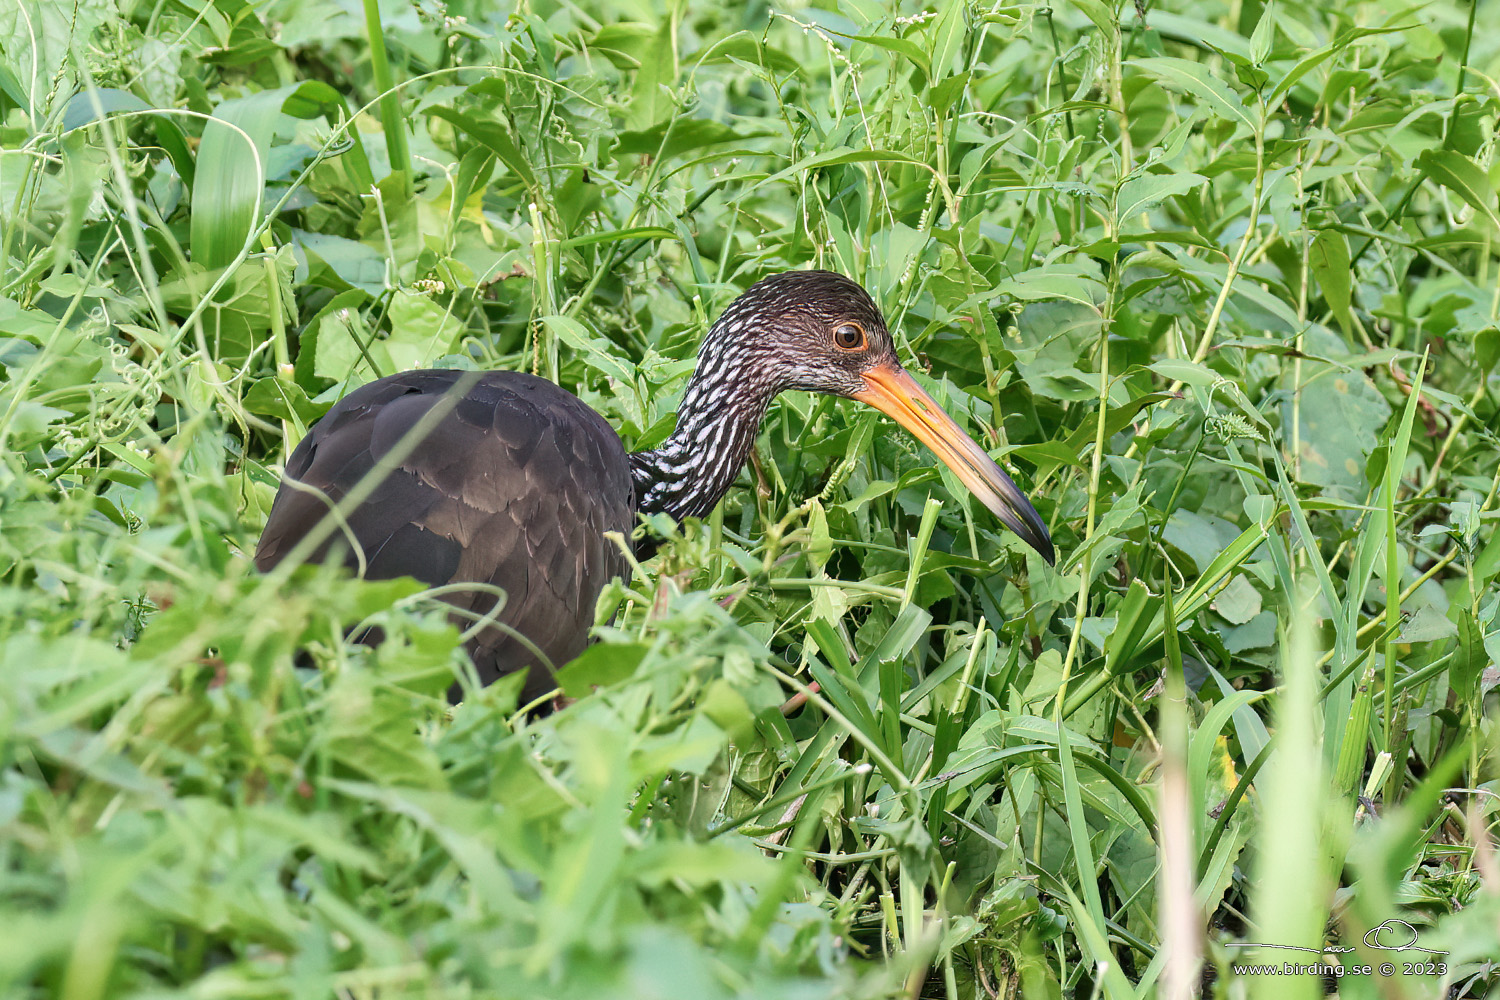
x=821 y=332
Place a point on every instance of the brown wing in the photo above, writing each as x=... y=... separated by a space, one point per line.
x=514 y=485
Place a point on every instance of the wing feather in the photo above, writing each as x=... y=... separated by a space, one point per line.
x=514 y=486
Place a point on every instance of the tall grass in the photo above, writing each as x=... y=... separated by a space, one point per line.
x=1216 y=281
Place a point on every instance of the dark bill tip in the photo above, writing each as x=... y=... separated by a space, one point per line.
x=892 y=391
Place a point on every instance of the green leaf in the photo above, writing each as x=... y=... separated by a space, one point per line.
x=29 y=324
x=231 y=175
x=1342 y=414
x=421 y=331
x=239 y=316
x=819 y=545
x=631 y=39
x=1132 y=619
x=902 y=46
x=314 y=99
x=1264 y=34
x=27 y=422
x=1142 y=191
x=619 y=235
x=1195 y=79
x=1464 y=178
x=1469 y=657
x=668 y=139
x=175 y=143
x=1426 y=625
x=96 y=105
x=1328 y=259
x=354 y=264
x=1205 y=34
x=596 y=352
x=83 y=110
x=1238 y=602
x=369 y=730
x=273 y=397
x=601 y=665
x=343 y=344
x=839 y=157
x=1317 y=57
x=1487 y=348
x=1185 y=371
x=1096 y=11
x=943 y=95
x=649 y=100
x=493 y=136
x=1075 y=283
x=947 y=38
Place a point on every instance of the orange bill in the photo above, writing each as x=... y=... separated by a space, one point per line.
x=896 y=394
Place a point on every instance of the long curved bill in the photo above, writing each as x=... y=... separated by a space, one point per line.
x=896 y=394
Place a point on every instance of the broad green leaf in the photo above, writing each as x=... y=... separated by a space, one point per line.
x=370 y=732
x=239 y=316
x=1186 y=372
x=422 y=330
x=273 y=397
x=601 y=665
x=1426 y=625
x=668 y=139
x=95 y=105
x=1317 y=57
x=1264 y=34
x=630 y=38
x=493 y=136
x=1098 y=12
x=1487 y=348
x=1341 y=416
x=1054 y=281
x=1238 y=602
x=649 y=100
x=343 y=345
x=839 y=157
x=947 y=38
x=1195 y=79
x=1469 y=657
x=1208 y=35
x=942 y=95
x=596 y=352
x=231 y=175
x=902 y=46
x=1142 y=191
x=1463 y=177
x=354 y=264
x=26 y=422
x=1328 y=259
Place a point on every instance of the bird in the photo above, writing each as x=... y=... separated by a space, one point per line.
x=501 y=486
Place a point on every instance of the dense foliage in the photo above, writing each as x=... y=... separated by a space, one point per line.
x=1217 y=280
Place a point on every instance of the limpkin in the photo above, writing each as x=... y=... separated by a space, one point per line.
x=513 y=482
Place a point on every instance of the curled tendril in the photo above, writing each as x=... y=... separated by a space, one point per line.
x=336 y=143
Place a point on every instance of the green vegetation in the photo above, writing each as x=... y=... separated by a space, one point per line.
x=1218 y=279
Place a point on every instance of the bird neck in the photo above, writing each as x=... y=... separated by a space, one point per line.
x=717 y=423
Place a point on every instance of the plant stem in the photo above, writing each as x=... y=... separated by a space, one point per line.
x=391 y=121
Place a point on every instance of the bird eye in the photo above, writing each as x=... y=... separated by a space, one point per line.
x=849 y=337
